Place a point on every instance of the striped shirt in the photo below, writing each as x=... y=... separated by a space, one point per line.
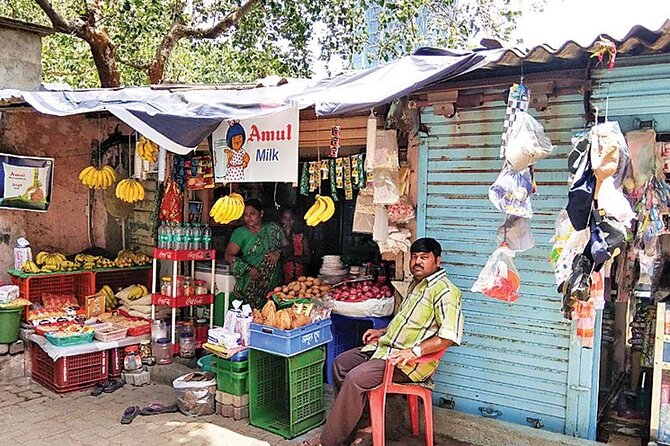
x=432 y=307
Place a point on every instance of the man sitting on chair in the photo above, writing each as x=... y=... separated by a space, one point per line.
x=429 y=320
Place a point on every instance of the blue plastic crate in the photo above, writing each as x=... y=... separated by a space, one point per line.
x=289 y=342
x=348 y=334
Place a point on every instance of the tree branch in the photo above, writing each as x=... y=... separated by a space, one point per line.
x=139 y=66
x=231 y=19
x=178 y=31
x=58 y=22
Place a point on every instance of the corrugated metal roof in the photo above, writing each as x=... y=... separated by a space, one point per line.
x=638 y=41
x=6 y=22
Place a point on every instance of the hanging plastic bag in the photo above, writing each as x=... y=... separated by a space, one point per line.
x=401 y=212
x=527 y=143
x=614 y=203
x=562 y=230
x=516 y=234
x=573 y=246
x=385 y=185
x=499 y=278
x=644 y=153
x=511 y=191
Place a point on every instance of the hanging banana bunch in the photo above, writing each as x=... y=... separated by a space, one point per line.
x=228 y=208
x=147 y=149
x=95 y=178
x=321 y=211
x=130 y=190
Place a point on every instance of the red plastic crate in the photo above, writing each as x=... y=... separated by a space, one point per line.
x=123 y=277
x=69 y=373
x=32 y=288
x=115 y=362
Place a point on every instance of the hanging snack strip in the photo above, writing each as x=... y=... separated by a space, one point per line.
x=517 y=100
x=335 y=135
x=324 y=169
x=348 y=185
x=331 y=174
x=339 y=173
x=304 y=180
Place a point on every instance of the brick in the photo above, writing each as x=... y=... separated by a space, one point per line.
x=233 y=400
x=16 y=348
x=240 y=413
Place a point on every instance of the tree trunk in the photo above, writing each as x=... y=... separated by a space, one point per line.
x=157 y=69
x=104 y=56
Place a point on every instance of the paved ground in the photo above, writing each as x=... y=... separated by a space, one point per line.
x=31 y=414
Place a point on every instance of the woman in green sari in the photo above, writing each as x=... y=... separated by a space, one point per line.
x=254 y=251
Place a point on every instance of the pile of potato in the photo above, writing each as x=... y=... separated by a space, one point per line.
x=304 y=287
x=286 y=319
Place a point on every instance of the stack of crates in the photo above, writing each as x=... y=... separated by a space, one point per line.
x=79 y=284
x=286 y=394
x=231 y=376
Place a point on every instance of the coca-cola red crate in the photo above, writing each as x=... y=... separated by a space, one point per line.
x=115 y=362
x=116 y=278
x=70 y=373
x=32 y=287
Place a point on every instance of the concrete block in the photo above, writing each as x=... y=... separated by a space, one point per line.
x=16 y=347
x=229 y=411
x=25 y=333
x=233 y=400
x=4 y=349
x=240 y=413
x=137 y=379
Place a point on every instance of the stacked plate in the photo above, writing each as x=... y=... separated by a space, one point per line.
x=332 y=270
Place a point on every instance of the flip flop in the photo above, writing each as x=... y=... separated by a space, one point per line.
x=157 y=409
x=113 y=385
x=129 y=414
x=98 y=389
x=312 y=442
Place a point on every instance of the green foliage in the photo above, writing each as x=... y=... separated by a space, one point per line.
x=276 y=37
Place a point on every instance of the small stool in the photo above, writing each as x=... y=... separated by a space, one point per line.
x=347 y=334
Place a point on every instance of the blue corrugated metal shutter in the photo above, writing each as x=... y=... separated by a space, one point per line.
x=518 y=361
x=638 y=89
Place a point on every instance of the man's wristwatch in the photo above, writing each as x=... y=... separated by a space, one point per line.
x=417 y=350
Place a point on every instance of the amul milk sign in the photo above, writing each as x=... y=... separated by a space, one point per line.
x=257 y=149
x=25 y=182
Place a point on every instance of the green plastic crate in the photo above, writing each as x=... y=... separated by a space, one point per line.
x=235 y=383
x=286 y=394
x=230 y=366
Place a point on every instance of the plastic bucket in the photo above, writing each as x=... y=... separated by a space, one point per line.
x=205 y=363
x=10 y=325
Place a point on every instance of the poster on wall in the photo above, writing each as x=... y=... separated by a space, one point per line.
x=26 y=182
x=263 y=149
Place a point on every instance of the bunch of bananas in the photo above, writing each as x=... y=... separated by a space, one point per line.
x=227 y=209
x=135 y=258
x=137 y=292
x=30 y=267
x=147 y=149
x=67 y=265
x=110 y=298
x=322 y=210
x=95 y=178
x=50 y=261
x=129 y=190
x=88 y=261
x=123 y=262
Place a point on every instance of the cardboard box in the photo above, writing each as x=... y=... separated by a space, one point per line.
x=94 y=305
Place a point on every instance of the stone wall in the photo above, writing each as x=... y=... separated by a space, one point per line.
x=64 y=226
x=20 y=59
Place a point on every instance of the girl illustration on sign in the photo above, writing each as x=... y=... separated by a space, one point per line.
x=237 y=159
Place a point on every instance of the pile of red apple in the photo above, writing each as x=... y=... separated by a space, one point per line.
x=360 y=291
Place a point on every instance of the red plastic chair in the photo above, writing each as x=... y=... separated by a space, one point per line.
x=413 y=391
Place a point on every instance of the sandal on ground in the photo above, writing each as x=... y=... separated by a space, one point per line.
x=129 y=414
x=113 y=385
x=312 y=442
x=157 y=409
x=98 y=389
x=365 y=440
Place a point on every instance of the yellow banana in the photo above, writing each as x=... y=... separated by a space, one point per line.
x=216 y=207
x=224 y=211
x=330 y=209
x=310 y=212
x=85 y=172
x=314 y=218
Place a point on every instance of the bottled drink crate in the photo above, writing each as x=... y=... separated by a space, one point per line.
x=286 y=393
x=69 y=373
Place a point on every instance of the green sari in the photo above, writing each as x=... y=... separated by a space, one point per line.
x=253 y=248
